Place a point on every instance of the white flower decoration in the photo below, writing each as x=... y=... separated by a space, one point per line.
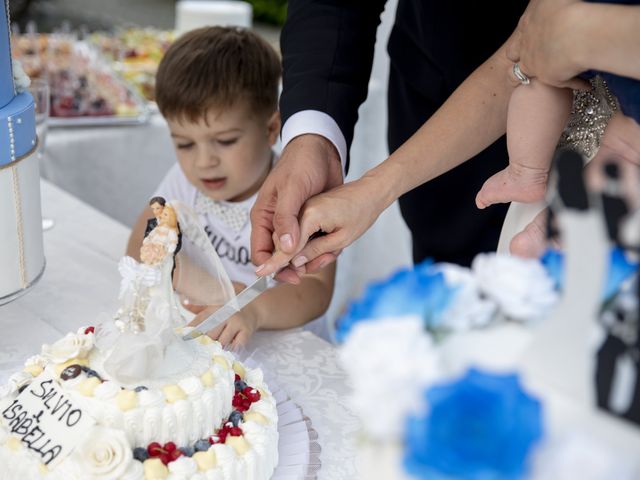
x=468 y=308
x=520 y=286
x=389 y=362
x=104 y=454
x=20 y=79
x=68 y=347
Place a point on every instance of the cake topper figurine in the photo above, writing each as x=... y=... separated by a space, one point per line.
x=178 y=266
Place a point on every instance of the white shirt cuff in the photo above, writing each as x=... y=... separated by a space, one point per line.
x=319 y=123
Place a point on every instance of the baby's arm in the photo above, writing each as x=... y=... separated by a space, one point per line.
x=283 y=306
x=536 y=117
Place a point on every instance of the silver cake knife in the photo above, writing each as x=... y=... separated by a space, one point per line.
x=231 y=307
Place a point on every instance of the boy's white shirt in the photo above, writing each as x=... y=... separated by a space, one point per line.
x=233 y=246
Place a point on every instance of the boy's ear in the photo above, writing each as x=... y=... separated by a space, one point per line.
x=273 y=127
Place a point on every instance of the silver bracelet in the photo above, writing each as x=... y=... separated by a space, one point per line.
x=589 y=117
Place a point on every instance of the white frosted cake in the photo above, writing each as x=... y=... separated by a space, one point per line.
x=130 y=398
x=216 y=421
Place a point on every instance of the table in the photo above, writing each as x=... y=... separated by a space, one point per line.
x=81 y=280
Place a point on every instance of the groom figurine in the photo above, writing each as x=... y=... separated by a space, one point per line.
x=157 y=206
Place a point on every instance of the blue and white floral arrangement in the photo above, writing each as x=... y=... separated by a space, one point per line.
x=432 y=354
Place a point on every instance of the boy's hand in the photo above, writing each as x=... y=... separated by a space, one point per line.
x=236 y=331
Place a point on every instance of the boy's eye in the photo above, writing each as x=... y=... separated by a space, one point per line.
x=184 y=146
x=227 y=142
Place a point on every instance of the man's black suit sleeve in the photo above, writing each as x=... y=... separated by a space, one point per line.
x=327 y=49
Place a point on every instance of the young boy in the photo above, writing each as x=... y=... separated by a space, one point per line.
x=218 y=90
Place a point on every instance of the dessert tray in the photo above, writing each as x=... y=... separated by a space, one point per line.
x=84 y=88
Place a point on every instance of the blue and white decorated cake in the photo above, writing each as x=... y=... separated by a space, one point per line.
x=511 y=369
x=21 y=249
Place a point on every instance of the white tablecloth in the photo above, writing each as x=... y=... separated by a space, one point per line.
x=81 y=280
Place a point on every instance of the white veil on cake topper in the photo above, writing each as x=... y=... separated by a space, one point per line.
x=179 y=267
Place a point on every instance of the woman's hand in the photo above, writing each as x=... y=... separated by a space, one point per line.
x=546 y=40
x=343 y=214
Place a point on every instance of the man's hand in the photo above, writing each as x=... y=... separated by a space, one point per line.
x=309 y=165
x=545 y=41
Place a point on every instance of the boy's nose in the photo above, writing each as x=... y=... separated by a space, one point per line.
x=207 y=158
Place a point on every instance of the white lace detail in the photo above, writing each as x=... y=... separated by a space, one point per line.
x=235 y=216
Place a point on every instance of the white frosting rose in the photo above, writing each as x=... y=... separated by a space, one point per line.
x=183 y=467
x=395 y=378
x=68 y=347
x=104 y=454
x=192 y=386
x=521 y=287
x=106 y=390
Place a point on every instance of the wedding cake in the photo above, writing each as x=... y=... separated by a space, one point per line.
x=130 y=398
x=21 y=249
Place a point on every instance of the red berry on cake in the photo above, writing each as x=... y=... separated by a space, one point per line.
x=170 y=447
x=155 y=449
x=252 y=394
x=89 y=330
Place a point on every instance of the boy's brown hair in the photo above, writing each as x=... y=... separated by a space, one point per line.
x=217 y=67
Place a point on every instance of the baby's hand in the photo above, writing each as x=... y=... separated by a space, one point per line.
x=516 y=183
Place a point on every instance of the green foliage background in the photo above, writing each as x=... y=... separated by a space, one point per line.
x=269 y=11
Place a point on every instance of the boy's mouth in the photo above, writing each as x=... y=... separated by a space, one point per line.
x=214 y=183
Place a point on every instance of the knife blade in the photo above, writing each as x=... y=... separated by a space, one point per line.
x=231 y=307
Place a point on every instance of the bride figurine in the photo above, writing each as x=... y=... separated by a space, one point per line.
x=179 y=266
